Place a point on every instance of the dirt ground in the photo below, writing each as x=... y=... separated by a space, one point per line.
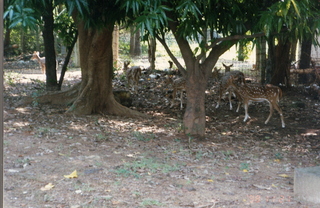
x=122 y=162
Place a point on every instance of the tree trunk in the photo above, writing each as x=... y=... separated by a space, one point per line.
x=194 y=117
x=135 y=46
x=7 y=39
x=132 y=41
x=305 y=57
x=281 y=73
x=137 y=43
x=241 y=54
x=96 y=61
x=48 y=39
x=293 y=51
x=152 y=52
x=66 y=60
x=261 y=58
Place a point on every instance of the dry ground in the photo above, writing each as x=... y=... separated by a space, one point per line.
x=122 y=162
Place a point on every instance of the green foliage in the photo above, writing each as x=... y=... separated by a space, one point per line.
x=18 y=13
x=65 y=27
x=294 y=19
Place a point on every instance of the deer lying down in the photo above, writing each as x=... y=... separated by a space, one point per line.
x=258 y=93
x=133 y=74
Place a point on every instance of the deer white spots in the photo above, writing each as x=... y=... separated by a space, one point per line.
x=255 y=93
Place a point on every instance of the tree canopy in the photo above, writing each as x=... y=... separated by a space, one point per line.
x=215 y=25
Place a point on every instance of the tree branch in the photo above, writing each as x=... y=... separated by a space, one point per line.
x=234 y=37
x=174 y=59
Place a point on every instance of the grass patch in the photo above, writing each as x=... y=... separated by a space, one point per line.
x=151 y=202
x=144 y=166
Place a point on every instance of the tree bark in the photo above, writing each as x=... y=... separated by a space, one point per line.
x=135 y=46
x=305 y=57
x=48 y=39
x=137 y=43
x=194 y=117
x=152 y=52
x=66 y=60
x=281 y=72
x=261 y=58
x=96 y=61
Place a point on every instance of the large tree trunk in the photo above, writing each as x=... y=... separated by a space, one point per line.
x=96 y=60
x=305 y=57
x=194 y=117
x=281 y=60
x=48 y=39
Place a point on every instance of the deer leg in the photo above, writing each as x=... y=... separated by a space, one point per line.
x=220 y=95
x=173 y=97
x=229 y=96
x=270 y=114
x=181 y=105
x=246 y=116
x=239 y=103
x=276 y=106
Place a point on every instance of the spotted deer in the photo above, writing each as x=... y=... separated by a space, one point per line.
x=258 y=93
x=224 y=86
x=133 y=74
x=178 y=84
x=41 y=60
x=227 y=68
x=216 y=75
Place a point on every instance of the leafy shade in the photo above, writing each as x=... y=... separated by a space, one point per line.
x=297 y=19
x=19 y=14
x=97 y=13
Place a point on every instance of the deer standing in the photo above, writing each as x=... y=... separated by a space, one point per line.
x=41 y=60
x=216 y=75
x=224 y=86
x=258 y=93
x=178 y=84
x=133 y=74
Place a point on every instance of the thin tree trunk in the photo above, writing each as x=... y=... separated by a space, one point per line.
x=261 y=58
x=132 y=41
x=152 y=52
x=305 y=59
x=137 y=43
x=241 y=54
x=66 y=60
x=48 y=38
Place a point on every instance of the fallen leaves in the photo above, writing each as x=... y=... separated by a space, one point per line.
x=72 y=175
x=47 y=187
